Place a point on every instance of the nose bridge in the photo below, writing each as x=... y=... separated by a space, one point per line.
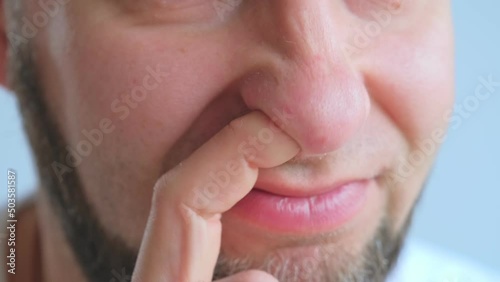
x=312 y=81
x=306 y=26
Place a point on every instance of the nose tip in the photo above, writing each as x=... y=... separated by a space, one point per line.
x=327 y=126
x=327 y=111
x=320 y=108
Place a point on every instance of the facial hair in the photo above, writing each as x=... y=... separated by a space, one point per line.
x=99 y=254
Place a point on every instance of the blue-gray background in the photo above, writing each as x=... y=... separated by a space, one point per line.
x=460 y=210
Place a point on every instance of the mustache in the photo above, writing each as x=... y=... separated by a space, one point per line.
x=367 y=154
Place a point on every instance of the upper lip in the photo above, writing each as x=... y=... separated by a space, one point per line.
x=300 y=191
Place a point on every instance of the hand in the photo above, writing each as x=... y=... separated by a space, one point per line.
x=182 y=239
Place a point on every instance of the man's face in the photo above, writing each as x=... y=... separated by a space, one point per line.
x=134 y=87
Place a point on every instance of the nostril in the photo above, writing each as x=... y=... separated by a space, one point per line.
x=324 y=130
x=319 y=138
x=322 y=105
x=317 y=144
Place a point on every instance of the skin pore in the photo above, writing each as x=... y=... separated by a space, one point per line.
x=160 y=79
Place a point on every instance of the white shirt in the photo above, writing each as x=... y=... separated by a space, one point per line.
x=421 y=262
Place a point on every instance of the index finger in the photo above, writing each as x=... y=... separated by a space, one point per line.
x=183 y=234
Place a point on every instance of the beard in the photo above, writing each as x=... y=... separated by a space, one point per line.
x=101 y=255
x=326 y=263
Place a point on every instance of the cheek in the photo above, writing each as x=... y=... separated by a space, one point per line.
x=145 y=88
x=411 y=77
x=150 y=84
x=142 y=88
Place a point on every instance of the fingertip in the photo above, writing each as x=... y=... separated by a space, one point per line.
x=250 y=276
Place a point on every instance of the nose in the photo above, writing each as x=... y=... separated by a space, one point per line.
x=306 y=78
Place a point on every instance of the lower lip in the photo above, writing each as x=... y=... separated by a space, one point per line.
x=312 y=214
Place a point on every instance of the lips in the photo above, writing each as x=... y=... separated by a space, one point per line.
x=319 y=209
